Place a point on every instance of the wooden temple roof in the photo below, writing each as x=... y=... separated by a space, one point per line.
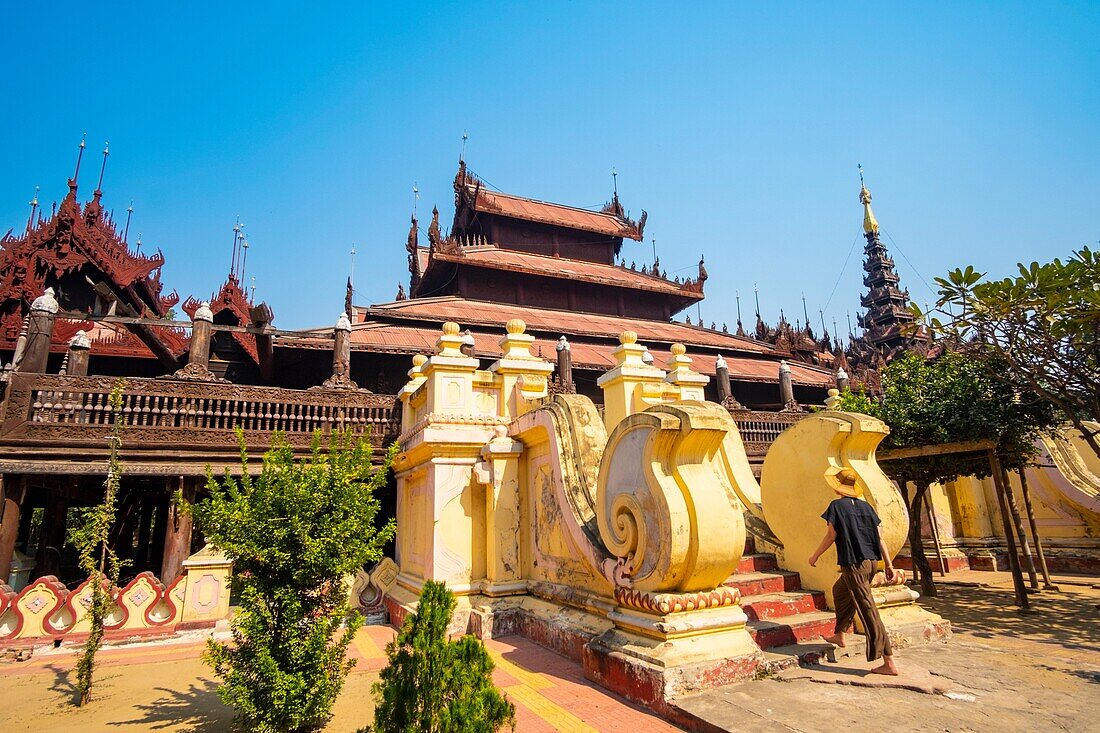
x=413 y=327
x=543 y=212
x=510 y=260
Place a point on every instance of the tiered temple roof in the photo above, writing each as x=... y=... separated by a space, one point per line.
x=79 y=252
x=889 y=326
x=557 y=268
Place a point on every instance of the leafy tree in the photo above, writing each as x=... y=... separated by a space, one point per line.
x=293 y=533
x=952 y=398
x=1044 y=325
x=433 y=685
x=96 y=557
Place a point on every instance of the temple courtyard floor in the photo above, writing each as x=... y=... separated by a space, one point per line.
x=1002 y=671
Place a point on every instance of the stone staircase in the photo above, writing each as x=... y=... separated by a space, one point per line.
x=786 y=621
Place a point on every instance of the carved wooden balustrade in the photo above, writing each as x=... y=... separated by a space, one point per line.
x=170 y=420
x=759 y=429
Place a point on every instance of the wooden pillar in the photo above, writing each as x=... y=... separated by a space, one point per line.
x=79 y=349
x=39 y=334
x=160 y=531
x=565 y=365
x=930 y=511
x=1013 y=558
x=842 y=382
x=722 y=379
x=1025 y=546
x=52 y=534
x=11 y=504
x=786 y=387
x=145 y=521
x=177 y=538
x=202 y=326
x=1047 y=584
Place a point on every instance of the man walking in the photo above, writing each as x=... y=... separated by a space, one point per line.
x=853 y=526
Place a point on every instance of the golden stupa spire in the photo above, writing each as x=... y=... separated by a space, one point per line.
x=870 y=224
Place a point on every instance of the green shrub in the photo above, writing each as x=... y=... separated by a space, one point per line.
x=433 y=685
x=293 y=533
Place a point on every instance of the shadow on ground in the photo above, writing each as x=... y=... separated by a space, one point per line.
x=1067 y=618
x=197 y=709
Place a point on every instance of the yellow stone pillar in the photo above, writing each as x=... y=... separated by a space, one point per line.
x=522 y=375
x=503 y=566
x=441 y=531
x=409 y=404
x=632 y=386
x=206 y=600
x=689 y=383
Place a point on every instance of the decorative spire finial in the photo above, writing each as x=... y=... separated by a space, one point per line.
x=34 y=207
x=615 y=183
x=79 y=157
x=126 y=231
x=102 y=169
x=416 y=197
x=462 y=155
x=870 y=225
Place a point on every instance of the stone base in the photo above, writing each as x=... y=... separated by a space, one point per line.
x=645 y=670
x=950 y=564
x=1077 y=563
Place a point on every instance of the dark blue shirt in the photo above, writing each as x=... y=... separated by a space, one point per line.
x=856 y=525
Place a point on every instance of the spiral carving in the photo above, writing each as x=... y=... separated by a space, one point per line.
x=626 y=538
x=662 y=506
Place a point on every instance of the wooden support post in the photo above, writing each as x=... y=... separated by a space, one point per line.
x=1047 y=583
x=1025 y=545
x=565 y=365
x=52 y=534
x=160 y=530
x=842 y=381
x=931 y=513
x=786 y=387
x=1013 y=558
x=79 y=349
x=11 y=504
x=261 y=317
x=141 y=556
x=177 y=539
x=39 y=334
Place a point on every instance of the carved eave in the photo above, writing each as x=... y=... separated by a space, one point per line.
x=230 y=306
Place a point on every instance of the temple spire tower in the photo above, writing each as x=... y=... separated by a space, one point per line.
x=887 y=320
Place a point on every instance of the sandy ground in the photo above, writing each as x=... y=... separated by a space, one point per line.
x=176 y=694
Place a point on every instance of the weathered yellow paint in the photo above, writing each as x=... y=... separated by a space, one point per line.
x=798 y=480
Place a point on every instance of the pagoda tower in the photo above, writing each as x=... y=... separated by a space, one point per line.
x=887 y=321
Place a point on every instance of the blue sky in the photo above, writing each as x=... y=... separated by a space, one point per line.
x=738 y=127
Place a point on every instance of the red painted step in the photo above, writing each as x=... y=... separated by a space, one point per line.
x=791 y=629
x=772 y=606
x=755 y=584
x=756 y=563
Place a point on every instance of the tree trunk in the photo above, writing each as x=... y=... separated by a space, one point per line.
x=921 y=567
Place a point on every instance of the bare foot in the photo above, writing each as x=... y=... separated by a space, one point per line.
x=836 y=639
x=888 y=667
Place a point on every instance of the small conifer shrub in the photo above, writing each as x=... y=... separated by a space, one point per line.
x=434 y=685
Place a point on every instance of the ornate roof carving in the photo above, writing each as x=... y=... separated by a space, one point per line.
x=235 y=305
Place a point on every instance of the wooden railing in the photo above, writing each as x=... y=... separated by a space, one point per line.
x=163 y=412
x=760 y=429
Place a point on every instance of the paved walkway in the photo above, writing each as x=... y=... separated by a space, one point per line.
x=1006 y=672
x=164 y=686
